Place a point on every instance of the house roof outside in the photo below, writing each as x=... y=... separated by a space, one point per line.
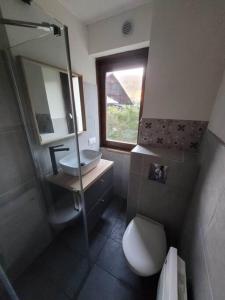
x=116 y=92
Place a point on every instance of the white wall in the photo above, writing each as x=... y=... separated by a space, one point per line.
x=186 y=59
x=105 y=37
x=51 y=50
x=217 y=119
x=81 y=62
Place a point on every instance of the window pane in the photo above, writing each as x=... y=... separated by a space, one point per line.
x=123 y=96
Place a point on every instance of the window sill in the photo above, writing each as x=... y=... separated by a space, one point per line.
x=117 y=150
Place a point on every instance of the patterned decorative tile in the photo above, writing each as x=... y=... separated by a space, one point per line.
x=179 y=134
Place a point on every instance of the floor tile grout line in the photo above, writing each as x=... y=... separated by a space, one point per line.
x=78 y=255
x=76 y=295
x=90 y=269
x=100 y=250
x=119 y=279
x=127 y=285
x=71 y=249
x=54 y=281
x=119 y=242
x=68 y=247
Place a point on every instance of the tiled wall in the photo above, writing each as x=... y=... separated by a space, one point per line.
x=165 y=203
x=121 y=170
x=24 y=228
x=203 y=242
x=178 y=134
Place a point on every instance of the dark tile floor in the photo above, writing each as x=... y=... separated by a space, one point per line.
x=62 y=271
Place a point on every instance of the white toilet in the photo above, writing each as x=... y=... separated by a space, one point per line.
x=144 y=246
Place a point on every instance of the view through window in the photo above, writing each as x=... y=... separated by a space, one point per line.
x=123 y=90
x=120 y=80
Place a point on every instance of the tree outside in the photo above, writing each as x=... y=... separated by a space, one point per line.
x=123 y=92
x=122 y=123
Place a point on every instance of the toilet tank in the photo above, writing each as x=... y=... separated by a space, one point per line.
x=172 y=281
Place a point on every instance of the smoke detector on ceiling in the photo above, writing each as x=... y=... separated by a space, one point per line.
x=127 y=27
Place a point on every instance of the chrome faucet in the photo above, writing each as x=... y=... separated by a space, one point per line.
x=52 y=151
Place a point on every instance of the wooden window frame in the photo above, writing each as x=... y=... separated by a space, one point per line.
x=130 y=59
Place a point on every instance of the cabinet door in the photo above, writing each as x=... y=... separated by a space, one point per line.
x=94 y=192
x=96 y=212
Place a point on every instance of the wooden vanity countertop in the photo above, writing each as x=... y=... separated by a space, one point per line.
x=72 y=183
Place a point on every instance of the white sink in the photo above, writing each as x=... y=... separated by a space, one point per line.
x=88 y=159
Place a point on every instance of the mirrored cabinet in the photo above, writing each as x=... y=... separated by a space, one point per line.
x=48 y=92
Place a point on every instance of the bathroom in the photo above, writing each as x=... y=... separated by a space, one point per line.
x=89 y=210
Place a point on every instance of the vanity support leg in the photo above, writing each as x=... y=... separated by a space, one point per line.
x=77 y=201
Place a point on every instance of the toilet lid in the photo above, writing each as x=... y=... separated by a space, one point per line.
x=144 y=245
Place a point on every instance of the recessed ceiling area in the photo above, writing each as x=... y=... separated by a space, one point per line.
x=91 y=11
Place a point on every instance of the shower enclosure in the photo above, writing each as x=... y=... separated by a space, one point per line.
x=46 y=42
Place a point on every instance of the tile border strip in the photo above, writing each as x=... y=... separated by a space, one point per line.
x=176 y=134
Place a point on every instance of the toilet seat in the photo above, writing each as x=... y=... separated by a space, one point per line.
x=144 y=245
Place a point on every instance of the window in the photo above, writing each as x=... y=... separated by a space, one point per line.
x=121 y=90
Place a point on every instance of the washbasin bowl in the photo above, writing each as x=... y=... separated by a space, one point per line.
x=88 y=160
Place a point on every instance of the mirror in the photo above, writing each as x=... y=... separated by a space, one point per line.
x=48 y=92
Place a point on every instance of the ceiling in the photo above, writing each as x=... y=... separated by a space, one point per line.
x=91 y=11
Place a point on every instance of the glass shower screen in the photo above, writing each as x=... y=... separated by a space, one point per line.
x=56 y=235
